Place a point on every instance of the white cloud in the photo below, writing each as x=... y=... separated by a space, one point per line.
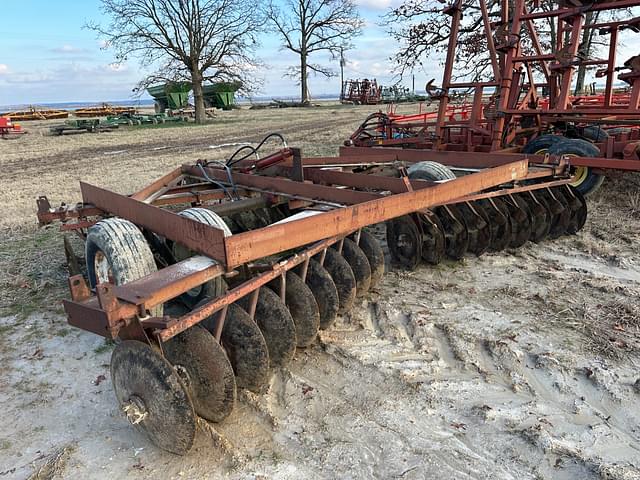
x=4 y=69
x=68 y=49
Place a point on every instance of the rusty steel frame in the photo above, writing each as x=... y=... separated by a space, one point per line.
x=518 y=89
x=122 y=310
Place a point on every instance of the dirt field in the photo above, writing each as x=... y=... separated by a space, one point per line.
x=518 y=365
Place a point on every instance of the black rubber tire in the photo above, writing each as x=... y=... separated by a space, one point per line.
x=540 y=145
x=303 y=308
x=213 y=288
x=211 y=380
x=325 y=292
x=591 y=133
x=428 y=170
x=276 y=325
x=359 y=264
x=343 y=277
x=582 y=148
x=125 y=250
x=372 y=249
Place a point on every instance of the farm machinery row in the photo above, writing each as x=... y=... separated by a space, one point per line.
x=528 y=107
x=212 y=276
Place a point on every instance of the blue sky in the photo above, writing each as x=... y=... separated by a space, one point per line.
x=46 y=56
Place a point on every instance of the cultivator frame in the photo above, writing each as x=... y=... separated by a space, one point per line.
x=321 y=207
x=516 y=107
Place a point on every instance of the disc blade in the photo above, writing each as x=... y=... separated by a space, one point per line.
x=432 y=237
x=325 y=292
x=405 y=241
x=247 y=349
x=520 y=222
x=276 y=325
x=343 y=278
x=359 y=264
x=153 y=396
x=456 y=235
x=210 y=376
x=499 y=222
x=372 y=249
x=303 y=308
x=540 y=216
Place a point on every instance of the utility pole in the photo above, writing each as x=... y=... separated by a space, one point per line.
x=342 y=64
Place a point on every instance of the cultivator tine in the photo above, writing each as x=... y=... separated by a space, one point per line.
x=432 y=237
x=456 y=236
x=204 y=368
x=276 y=325
x=359 y=264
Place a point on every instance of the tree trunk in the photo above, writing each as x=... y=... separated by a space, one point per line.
x=198 y=98
x=304 y=95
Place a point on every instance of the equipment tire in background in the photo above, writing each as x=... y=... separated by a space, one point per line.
x=586 y=181
x=215 y=287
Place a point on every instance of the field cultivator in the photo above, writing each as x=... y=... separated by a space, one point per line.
x=8 y=129
x=82 y=125
x=35 y=113
x=210 y=277
x=361 y=92
x=103 y=110
x=528 y=106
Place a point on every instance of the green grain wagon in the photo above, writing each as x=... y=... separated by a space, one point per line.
x=220 y=95
x=170 y=96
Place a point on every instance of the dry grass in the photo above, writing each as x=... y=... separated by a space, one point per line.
x=612 y=329
x=32 y=264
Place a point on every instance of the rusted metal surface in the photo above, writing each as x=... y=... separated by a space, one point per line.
x=244 y=247
x=197 y=236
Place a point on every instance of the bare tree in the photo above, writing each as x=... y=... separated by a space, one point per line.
x=311 y=26
x=422 y=31
x=196 y=40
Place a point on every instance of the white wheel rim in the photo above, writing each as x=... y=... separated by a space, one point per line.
x=102 y=269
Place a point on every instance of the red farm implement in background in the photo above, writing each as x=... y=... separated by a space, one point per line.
x=8 y=129
x=361 y=92
x=528 y=107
